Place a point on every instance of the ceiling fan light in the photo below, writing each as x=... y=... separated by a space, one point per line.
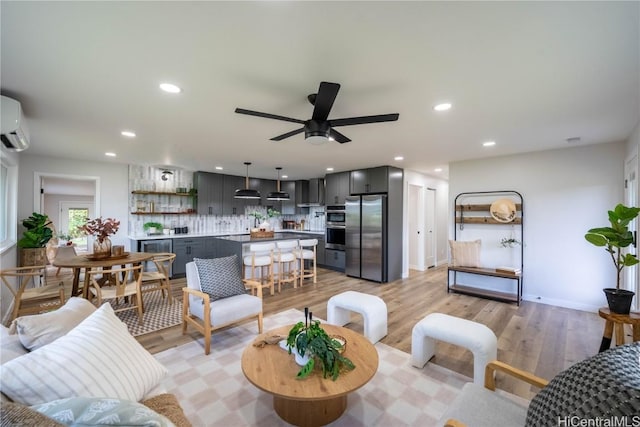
x=317 y=139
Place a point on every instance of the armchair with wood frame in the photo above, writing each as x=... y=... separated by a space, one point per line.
x=606 y=385
x=207 y=315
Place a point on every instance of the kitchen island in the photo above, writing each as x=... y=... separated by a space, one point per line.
x=215 y=245
x=239 y=244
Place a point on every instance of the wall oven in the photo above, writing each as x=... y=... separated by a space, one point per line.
x=335 y=227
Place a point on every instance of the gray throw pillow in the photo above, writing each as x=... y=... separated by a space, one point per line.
x=220 y=277
x=606 y=385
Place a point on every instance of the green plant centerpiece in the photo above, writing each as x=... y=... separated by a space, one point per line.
x=310 y=339
x=614 y=240
x=34 y=240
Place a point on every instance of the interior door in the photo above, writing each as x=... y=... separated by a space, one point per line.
x=430 y=226
x=631 y=281
x=73 y=214
x=416 y=235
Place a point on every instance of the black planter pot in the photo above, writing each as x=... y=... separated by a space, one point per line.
x=619 y=300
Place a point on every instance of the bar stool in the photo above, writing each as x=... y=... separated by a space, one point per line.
x=287 y=265
x=261 y=256
x=307 y=255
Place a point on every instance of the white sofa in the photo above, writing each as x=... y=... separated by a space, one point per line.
x=80 y=354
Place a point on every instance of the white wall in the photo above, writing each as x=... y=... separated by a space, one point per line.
x=565 y=193
x=441 y=218
x=114 y=181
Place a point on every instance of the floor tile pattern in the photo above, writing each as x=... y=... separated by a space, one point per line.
x=214 y=392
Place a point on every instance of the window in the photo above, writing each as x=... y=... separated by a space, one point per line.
x=9 y=205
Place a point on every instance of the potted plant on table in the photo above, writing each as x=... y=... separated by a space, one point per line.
x=34 y=240
x=615 y=239
x=309 y=340
x=101 y=229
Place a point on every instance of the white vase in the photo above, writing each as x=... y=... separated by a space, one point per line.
x=265 y=226
x=301 y=360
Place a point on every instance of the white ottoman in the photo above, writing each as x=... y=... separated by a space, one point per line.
x=477 y=338
x=372 y=308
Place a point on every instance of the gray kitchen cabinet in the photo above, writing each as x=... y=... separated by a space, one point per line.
x=186 y=250
x=296 y=195
x=336 y=188
x=371 y=180
x=320 y=251
x=231 y=205
x=334 y=259
x=210 y=186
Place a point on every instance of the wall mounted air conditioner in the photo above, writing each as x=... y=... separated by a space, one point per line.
x=13 y=129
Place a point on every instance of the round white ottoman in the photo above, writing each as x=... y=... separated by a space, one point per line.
x=477 y=338
x=372 y=308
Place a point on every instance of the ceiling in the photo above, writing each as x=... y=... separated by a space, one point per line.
x=527 y=75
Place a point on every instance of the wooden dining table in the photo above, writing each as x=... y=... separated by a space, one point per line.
x=87 y=262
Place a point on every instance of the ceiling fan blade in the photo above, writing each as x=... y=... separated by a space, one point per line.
x=364 y=120
x=327 y=93
x=287 y=135
x=337 y=136
x=268 y=116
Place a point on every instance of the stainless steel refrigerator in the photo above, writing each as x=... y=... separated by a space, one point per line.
x=366 y=237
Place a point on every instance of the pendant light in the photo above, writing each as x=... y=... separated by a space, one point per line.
x=247 y=193
x=278 y=195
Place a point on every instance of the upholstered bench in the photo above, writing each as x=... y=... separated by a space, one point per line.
x=372 y=308
x=477 y=338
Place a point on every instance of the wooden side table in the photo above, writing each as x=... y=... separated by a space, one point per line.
x=617 y=322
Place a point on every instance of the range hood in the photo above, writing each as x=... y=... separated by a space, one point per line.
x=312 y=193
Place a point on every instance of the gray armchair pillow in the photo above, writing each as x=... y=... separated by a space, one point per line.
x=220 y=277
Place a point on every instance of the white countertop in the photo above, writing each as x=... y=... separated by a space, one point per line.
x=214 y=234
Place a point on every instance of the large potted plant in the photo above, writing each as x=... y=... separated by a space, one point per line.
x=314 y=346
x=34 y=240
x=614 y=240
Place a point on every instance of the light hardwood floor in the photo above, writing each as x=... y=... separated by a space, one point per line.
x=539 y=338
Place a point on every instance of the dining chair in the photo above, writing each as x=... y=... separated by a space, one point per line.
x=126 y=282
x=30 y=294
x=64 y=253
x=159 y=280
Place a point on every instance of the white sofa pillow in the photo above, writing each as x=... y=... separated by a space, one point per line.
x=41 y=329
x=10 y=346
x=98 y=358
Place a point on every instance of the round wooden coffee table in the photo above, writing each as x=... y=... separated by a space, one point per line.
x=313 y=401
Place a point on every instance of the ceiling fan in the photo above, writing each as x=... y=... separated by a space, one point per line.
x=319 y=128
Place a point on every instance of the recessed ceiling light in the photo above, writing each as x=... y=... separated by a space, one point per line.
x=330 y=169
x=488 y=144
x=171 y=88
x=110 y=154
x=128 y=134
x=442 y=107
x=219 y=168
x=285 y=176
x=437 y=170
x=398 y=158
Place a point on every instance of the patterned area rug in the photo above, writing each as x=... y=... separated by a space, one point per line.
x=214 y=392
x=158 y=314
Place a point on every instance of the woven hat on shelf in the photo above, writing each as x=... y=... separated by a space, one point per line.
x=503 y=210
